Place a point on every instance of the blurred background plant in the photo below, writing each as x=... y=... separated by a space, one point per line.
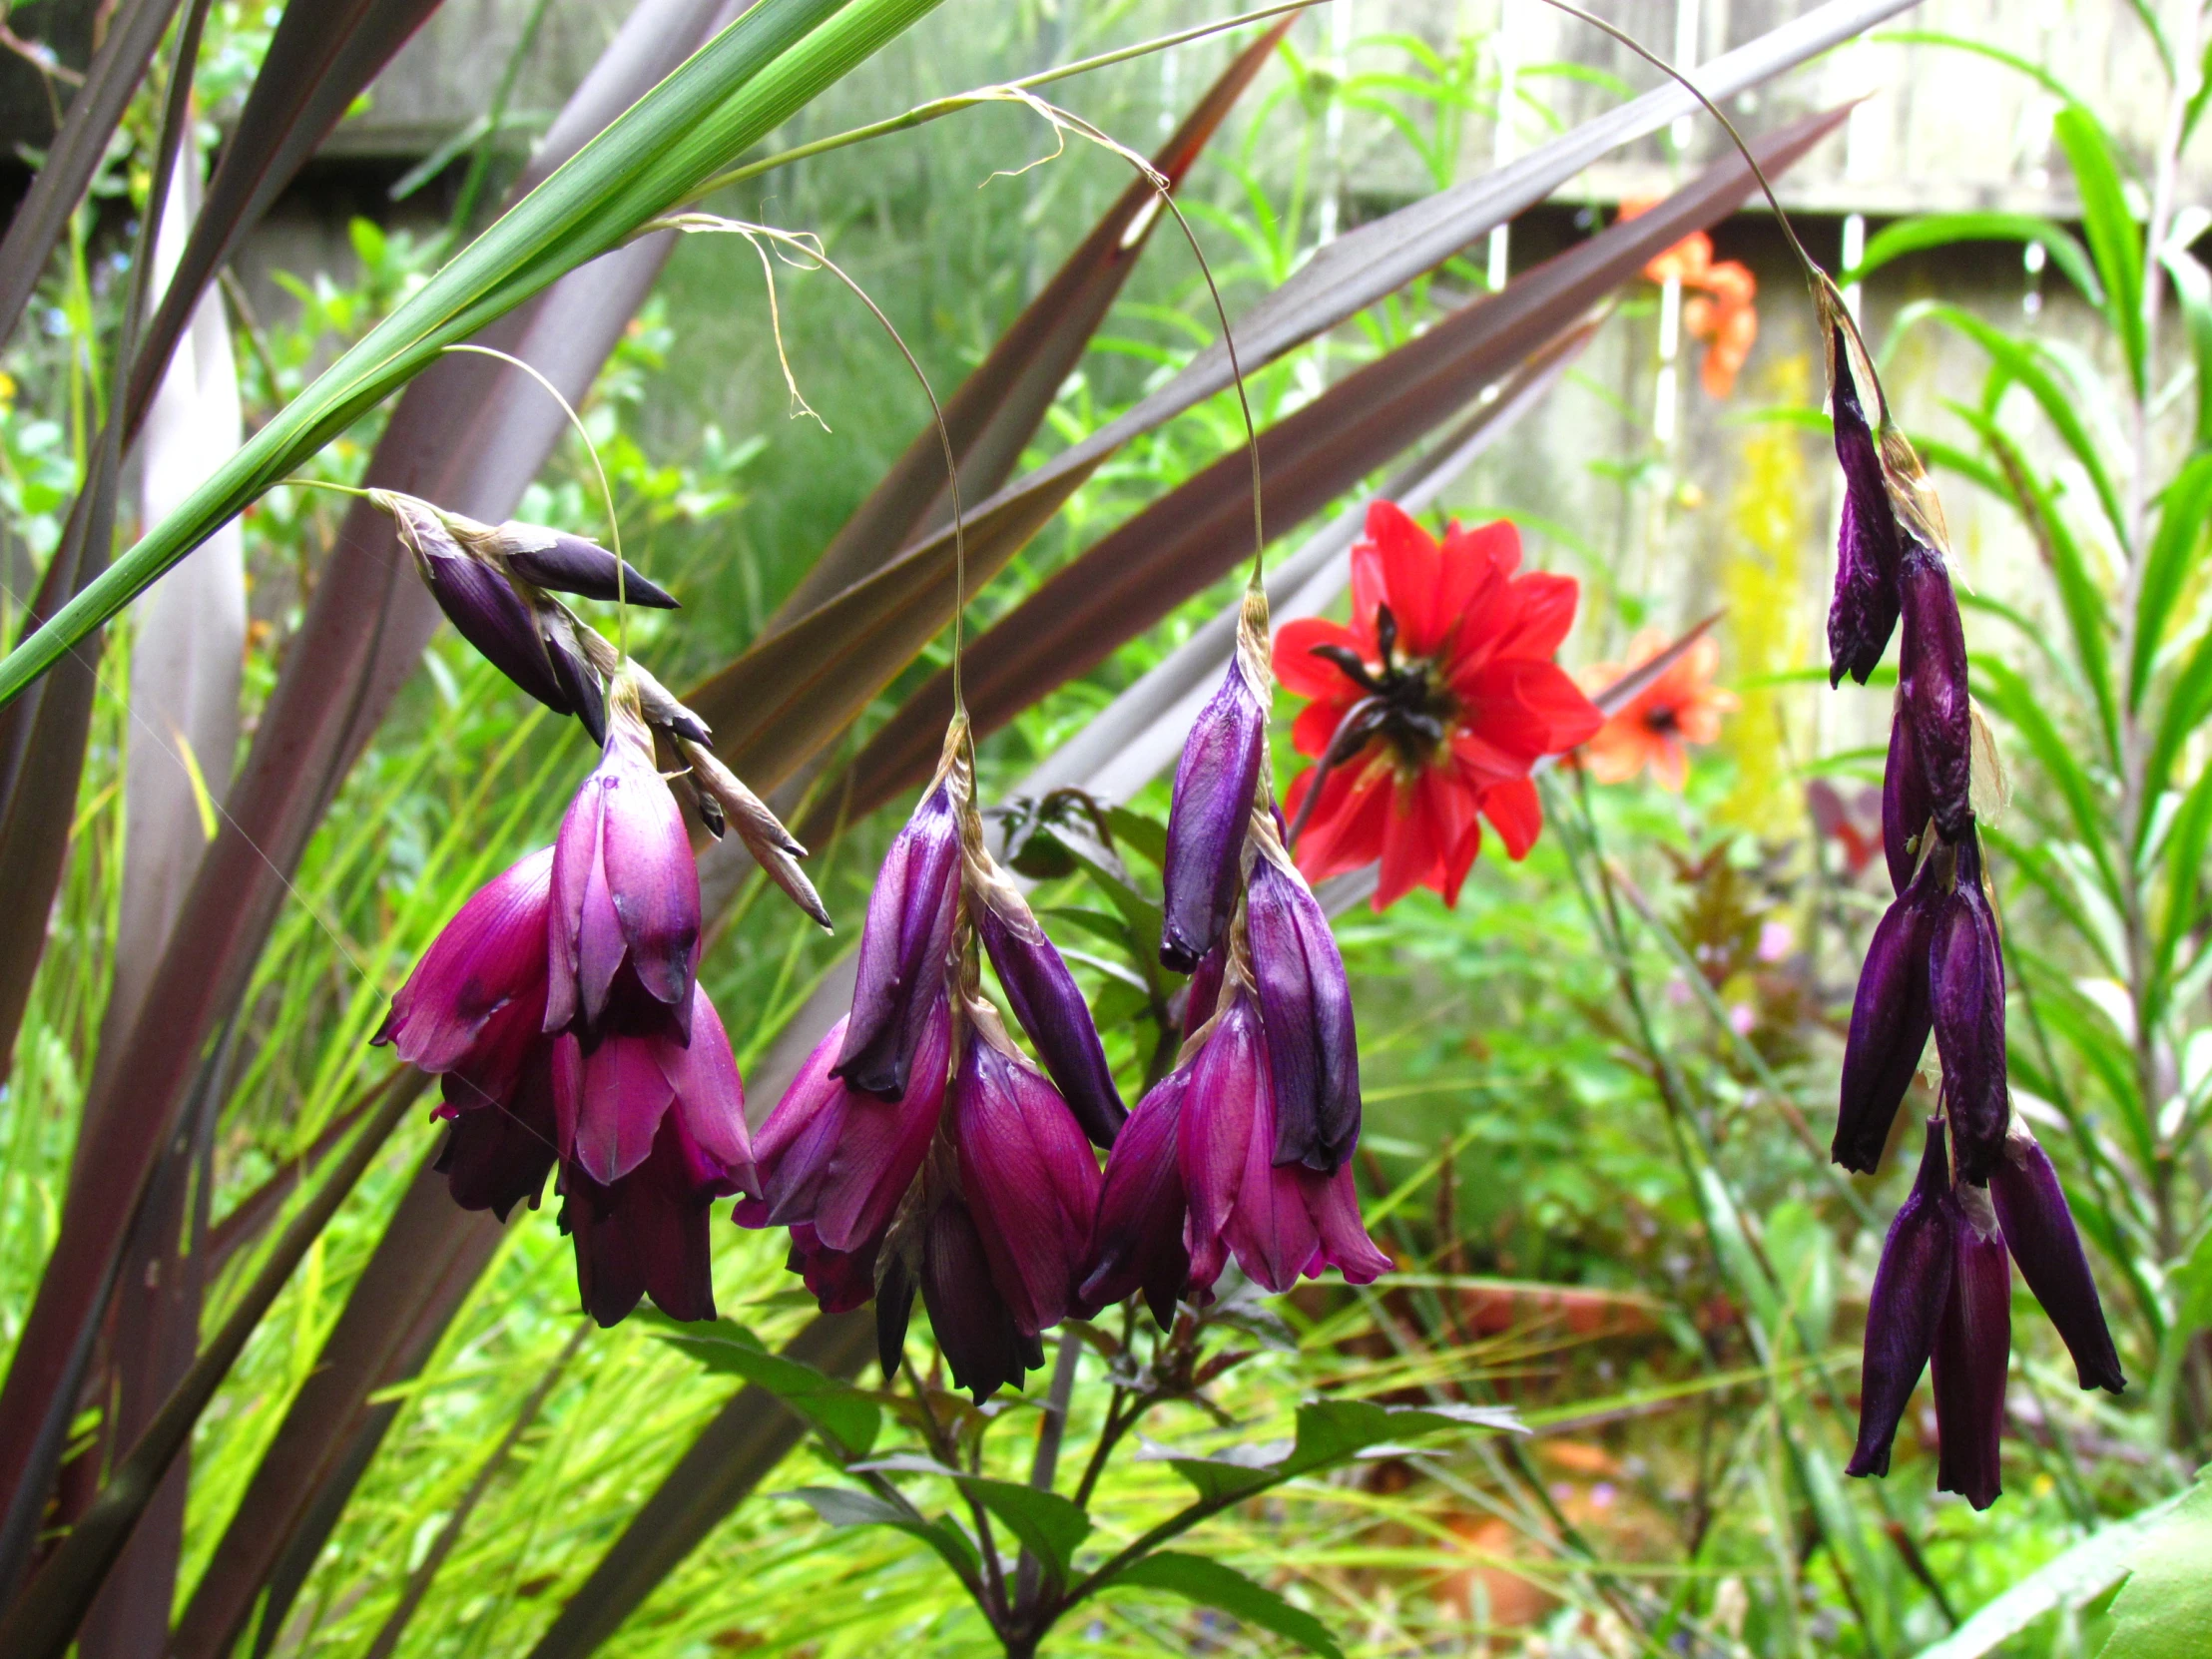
x=1597 y=1089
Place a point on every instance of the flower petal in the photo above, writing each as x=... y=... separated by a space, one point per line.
x=1050 y=1007
x=881 y=1145
x=1932 y=688
x=982 y=1345
x=652 y=878
x=1135 y=1239
x=1301 y=671
x=1890 y=1017
x=1911 y=1286
x=2039 y=1232
x=1412 y=575
x=490 y=956
x=1972 y=1342
x=1215 y=785
x=623 y=1095
x=1306 y=1013
x=1965 y=981
x=904 y=950
x=1214 y=1131
x=710 y=1095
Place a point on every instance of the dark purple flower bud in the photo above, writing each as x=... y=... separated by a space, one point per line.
x=1932 y=688
x=2039 y=1232
x=1306 y=1010
x=1972 y=1342
x=1214 y=789
x=1912 y=1288
x=1890 y=1021
x=982 y=1341
x=570 y=564
x=579 y=682
x=1029 y=1177
x=1045 y=999
x=1905 y=804
x=840 y=1280
x=840 y=1160
x=479 y=601
x=1136 y=1240
x=1967 y=995
x=625 y=894
x=498 y=1153
x=613 y=1098
x=481 y=977
x=1864 y=612
x=646 y=1235
x=901 y=980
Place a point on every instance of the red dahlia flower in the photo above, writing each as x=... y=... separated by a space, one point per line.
x=1431 y=707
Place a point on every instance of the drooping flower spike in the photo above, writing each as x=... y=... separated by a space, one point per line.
x=918 y=1151
x=561 y=1009
x=1431 y=707
x=1985 y=1193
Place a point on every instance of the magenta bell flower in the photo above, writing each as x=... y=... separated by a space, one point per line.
x=1029 y=1176
x=1974 y=1340
x=1137 y=1234
x=837 y=1162
x=1905 y=808
x=1215 y=785
x=1912 y=1288
x=1889 y=1021
x=1279 y=1221
x=622 y=933
x=904 y=950
x=982 y=1339
x=1967 y=999
x=1049 y=1005
x=1931 y=688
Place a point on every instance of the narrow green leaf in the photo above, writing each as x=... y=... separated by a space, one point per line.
x=2188 y=704
x=830 y=1403
x=2193 y=292
x=1917 y=236
x=841 y=1506
x=2185 y=845
x=1211 y=1584
x=1332 y=1430
x=2115 y=239
x=2017 y=702
x=1050 y=1526
x=2174 y=549
x=2024 y=363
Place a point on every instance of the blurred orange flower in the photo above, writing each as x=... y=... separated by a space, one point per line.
x=1719 y=309
x=1680 y=708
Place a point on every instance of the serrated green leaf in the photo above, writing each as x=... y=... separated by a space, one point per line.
x=2115 y=239
x=2164 y=1611
x=1210 y=1583
x=1050 y=1526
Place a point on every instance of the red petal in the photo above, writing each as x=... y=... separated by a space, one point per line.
x=1517 y=812
x=1412 y=575
x=1301 y=671
x=1527 y=706
x=1349 y=824
x=1544 y=610
x=1317 y=723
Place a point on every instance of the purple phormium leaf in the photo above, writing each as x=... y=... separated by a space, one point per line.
x=902 y=950
x=1974 y=1340
x=1029 y=1178
x=1905 y=804
x=1136 y=1240
x=2039 y=1232
x=1050 y=1007
x=1911 y=1287
x=1305 y=1008
x=1215 y=785
x=1864 y=611
x=1890 y=1018
x=1932 y=688
x=1965 y=978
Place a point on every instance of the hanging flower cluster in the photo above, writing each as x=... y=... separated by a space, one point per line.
x=1431 y=707
x=561 y=1008
x=1984 y=1190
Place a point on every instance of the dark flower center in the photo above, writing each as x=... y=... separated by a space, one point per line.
x=1664 y=719
x=1406 y=703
